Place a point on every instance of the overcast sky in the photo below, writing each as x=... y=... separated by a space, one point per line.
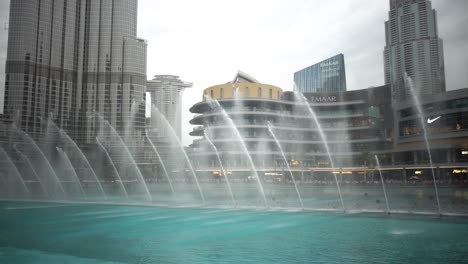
x=207 y=41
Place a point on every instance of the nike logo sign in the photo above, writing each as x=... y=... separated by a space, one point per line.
x=430 y=121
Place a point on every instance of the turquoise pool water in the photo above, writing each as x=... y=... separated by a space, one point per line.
x=32 y=232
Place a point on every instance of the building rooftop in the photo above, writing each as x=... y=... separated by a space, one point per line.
x=243 y=77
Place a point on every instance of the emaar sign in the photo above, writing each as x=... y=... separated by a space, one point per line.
x=330 y=69
x=323 y=99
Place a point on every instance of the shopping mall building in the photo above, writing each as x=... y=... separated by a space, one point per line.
x=445 y=119
x=358 y=125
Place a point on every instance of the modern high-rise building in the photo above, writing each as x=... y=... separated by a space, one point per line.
x=4 y=9
x=166 y=94
x=413 y=49
x=326 y=76
x=71 y=60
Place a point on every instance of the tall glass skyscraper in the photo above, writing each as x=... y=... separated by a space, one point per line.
x=72 y=59
x=413 y=49
x=326 y=76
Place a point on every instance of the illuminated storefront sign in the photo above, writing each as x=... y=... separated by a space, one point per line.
x=342 y=172
x=294 y=162
x=464 y=152
x=219 y=172
x=459 y=171
x=273 y=174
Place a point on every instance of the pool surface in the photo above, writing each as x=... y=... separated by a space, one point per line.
x=33 y=232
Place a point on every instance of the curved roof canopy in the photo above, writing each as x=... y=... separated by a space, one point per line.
x=244 y=77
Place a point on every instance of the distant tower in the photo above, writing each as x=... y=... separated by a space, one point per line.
x=326 y=76
x=166 y=94
x=72 y=59
x=413 y=48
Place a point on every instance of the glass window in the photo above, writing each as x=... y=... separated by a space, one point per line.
x=259 y=92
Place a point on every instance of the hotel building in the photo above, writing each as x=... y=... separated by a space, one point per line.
x=166 y=94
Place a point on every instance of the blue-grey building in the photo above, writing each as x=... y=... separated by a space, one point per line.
x=325 y=76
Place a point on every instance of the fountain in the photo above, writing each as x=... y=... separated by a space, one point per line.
x=55 y=161
x=304 y=101
x=383 y=183
x=59 y=178
x=71 y=169
x=244 y=147
x=14 y=169
x=223 y=171
x=287 y=164
x=81 y=155
x=128 y=131
x=160 y=161
x=31 y=167
x=124 y=180
x=113 y=167
x=112 y=132
x=426 y=140
x=168 y=126
x=50 y=170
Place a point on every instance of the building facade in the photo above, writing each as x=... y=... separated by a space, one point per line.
x=70 y=60
x=358 y=126
x=251 y=106
x=166 y=94
x=355 y=124
x=445 y=119
x=413 y=49
x=4 y=11
x=326 y=76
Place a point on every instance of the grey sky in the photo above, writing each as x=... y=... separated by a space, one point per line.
x=207 y=41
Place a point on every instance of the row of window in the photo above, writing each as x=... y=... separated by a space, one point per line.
x=236 y=93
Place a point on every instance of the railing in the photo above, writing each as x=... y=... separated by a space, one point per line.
x=243 y=110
